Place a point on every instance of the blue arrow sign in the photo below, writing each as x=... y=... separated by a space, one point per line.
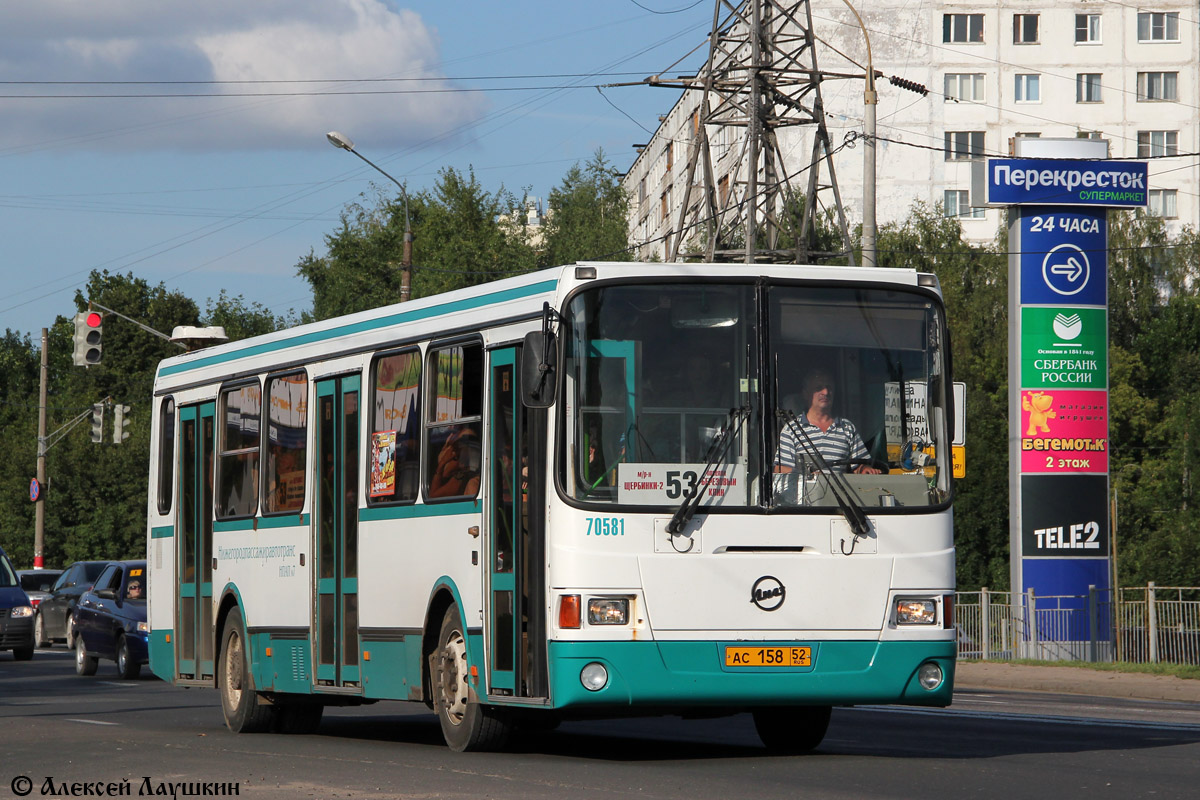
x=1064 y=256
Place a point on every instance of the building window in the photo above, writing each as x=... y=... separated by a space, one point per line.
x=670 y=155
x=1158 y=143
x=962 y=28
x=1157 y=86
x=1087 y=87
x=964 y=86
x=1025 y=28
x=1088 y=135
x=964 y=145
x=1028 y=89
x=1087 y=29
x=957 y=203
x=1162 y=203
x=1156 y=26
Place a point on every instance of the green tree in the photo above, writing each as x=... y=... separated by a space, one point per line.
x=463 y=236
x=587 y=216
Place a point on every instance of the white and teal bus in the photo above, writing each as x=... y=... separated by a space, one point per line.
x=558 y=496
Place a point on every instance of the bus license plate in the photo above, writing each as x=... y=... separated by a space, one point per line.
x=768 y=656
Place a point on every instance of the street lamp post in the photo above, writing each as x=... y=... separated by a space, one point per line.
x=870 y=100
x=344 y=143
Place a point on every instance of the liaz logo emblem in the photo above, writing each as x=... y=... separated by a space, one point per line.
x=767 y=593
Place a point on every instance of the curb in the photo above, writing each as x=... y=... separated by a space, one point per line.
x=1075 y=680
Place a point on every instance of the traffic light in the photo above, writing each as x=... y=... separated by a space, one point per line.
x=89 y=331
x=120 y=423
x=98 y=422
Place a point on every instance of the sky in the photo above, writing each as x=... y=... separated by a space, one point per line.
x=184 y=143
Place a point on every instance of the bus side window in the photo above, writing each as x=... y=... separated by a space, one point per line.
x=287 y=440
x=166 y=454
x=454 y=421
x=395 y=454
x=237 y=464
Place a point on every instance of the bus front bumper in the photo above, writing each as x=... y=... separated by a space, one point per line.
x=694 y=675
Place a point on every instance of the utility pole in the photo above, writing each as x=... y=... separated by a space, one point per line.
x=761 y=78
x=39 y=525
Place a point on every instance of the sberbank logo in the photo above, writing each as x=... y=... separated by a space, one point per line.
x=1067 y=327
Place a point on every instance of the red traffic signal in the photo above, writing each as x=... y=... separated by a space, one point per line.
x=88 y=339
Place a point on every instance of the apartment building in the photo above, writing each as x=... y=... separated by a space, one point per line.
x=1103 y=69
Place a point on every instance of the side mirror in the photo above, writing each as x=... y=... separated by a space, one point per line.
x=539 y=369
x=106 y=594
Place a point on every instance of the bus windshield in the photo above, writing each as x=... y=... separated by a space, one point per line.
x=755 y=395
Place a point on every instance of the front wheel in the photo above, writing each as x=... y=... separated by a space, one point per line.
x=126 y=665
x=792 y=730
x=84 y=664
x=239 y=702
x=466 y=724
x=39 y=632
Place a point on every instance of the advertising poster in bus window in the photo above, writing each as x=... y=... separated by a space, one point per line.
x=1064 y=431
x=383 y=463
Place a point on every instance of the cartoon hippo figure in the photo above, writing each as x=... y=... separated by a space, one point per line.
x=1038 y=406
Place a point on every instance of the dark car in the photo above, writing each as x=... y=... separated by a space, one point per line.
x=110 y=620
x=37 y=583
x=16 y=614
x=54 y=620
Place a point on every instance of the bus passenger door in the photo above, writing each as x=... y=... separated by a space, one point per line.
x=515 y=630
x=335 y=529
x=193 y=603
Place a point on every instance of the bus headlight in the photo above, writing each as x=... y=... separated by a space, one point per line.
x=594 y=676
x=916 y=611
x=608 y=610
x=929 y=675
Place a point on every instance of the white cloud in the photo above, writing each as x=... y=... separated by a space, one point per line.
x=221 y=40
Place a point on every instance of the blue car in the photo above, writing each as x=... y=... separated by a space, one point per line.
x=110 y=620
x=16 y=613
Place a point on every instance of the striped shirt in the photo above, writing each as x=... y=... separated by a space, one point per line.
x=840 y=443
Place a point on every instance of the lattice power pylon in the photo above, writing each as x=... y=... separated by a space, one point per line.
x=761 y=76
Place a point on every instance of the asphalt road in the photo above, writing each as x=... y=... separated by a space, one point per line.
x=144 y=736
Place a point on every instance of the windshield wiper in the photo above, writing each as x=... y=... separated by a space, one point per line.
x=716 y=454
x=842 y=492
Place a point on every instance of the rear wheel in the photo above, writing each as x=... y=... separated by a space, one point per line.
x=39 y=632
x=466 y=724
x=126 y=665
x=792 y=730
x=69 y=627
x=84 y=664
x=239 y=702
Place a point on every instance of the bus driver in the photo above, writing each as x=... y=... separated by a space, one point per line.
x=835 y=438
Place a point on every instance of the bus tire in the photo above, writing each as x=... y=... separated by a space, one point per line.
x=84 y=663
x=467 y=725
x=239 y=701
x=792 y=730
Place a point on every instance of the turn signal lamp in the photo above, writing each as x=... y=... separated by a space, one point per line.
x=568 y=611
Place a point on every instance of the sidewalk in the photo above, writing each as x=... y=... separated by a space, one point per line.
x=1074 y=680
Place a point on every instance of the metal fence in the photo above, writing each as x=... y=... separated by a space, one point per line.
x=1140 y=624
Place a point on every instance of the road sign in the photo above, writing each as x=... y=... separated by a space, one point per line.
x=35 y=490
x=1064 y=256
